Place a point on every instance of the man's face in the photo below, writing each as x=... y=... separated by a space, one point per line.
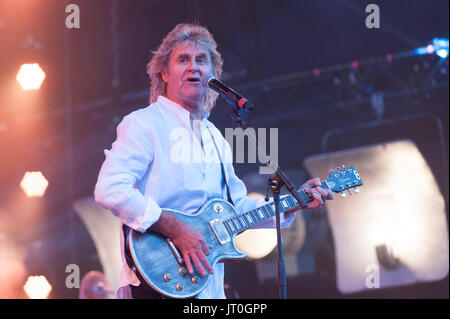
x=187 y=63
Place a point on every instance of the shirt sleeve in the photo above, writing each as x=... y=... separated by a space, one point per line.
x=243 y=203
x=125 y=164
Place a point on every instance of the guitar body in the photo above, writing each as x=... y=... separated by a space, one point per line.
x=157 y=262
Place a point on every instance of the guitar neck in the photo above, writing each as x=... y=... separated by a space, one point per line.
x=248 y=219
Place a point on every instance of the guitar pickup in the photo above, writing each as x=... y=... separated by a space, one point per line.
x=219 y=230
x=174 y=250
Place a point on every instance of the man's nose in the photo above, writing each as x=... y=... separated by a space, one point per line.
x=193 y=66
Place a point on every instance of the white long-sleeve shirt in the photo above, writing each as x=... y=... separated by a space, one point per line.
x=157 y=162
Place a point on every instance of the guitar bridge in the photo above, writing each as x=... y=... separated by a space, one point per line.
x=219 y=230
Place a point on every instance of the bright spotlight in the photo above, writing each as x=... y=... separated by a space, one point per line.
x=443 y=53
x=34 y=184
x=441 y=47
x=257 y=243
x=37 y=287
x=395 y=232
x=30 y=76
x=438 y=46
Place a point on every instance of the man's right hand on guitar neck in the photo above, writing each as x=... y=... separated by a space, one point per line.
x=187 y=239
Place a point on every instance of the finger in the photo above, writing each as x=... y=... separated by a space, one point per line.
x=309 y=191
x=205 y=262
x=314 y=182
x=198 y=265
x=330 y=195
x=317 y=196
x=314 y=193
x=322 y=193
x=187 y=261
x=204 y=248
x=202 y=257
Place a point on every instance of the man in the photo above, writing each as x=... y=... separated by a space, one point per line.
x=143 y=172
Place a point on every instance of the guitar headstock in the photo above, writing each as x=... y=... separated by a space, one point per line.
x=344 y=178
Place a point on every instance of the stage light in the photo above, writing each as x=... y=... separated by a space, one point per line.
x=316 y=73
x=30 y=76
x=257 y=243
x=396 y=227
x=389 y=58
x=34 y=184
x=438 y=46
x=37 y=287
x=429 y=49
x=13 y=272
x=443 y=53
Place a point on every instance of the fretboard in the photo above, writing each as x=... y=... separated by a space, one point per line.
x=248 y=219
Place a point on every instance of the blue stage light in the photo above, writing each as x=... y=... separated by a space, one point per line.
x=438 y=46
x=441 y=47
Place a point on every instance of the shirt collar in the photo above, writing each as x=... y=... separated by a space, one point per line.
x=178 y=109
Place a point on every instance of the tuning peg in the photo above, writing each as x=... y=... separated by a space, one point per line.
x=349 y=191
x=356 y=190
x=343 y=195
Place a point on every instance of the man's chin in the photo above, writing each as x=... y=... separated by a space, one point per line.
x=194 y=96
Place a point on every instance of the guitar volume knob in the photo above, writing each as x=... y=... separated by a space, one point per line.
x=167 y=277
x=178 y=287
x=218 y=208
x=182 y=271
x=194 y=280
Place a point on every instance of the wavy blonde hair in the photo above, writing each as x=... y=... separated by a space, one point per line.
x=183 y=32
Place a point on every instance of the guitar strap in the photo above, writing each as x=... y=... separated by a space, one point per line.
x=222 y=168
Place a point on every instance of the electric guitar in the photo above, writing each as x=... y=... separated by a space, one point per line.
x=157 y=261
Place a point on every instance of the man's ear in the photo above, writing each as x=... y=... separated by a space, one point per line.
x=164 y=76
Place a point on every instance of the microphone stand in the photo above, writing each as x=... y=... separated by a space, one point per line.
x=275 y=183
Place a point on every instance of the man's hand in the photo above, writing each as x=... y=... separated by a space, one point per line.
x=193 y=248
x=187 y=239
x=319 y=194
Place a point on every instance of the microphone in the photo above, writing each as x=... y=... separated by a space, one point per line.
x=232 y=97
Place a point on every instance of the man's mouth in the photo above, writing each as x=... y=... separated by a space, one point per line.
x=193 y=79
